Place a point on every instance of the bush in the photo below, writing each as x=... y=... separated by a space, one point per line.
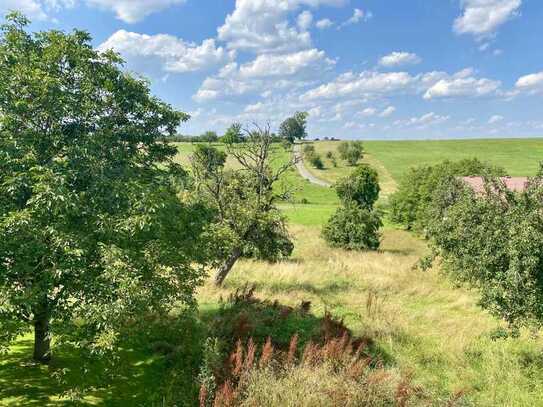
x=353 y=228
x=316 y=161
x=351 y=151
x=329 y=155
x=361 y=186
x=308 y=150
x=410 y=204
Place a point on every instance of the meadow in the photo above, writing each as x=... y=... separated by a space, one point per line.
x=423 y=326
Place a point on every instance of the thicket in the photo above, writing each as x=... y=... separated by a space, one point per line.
x=355 y=225
x=410 y=204
x=351 y=151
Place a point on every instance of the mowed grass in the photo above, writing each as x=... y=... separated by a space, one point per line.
x=520 y=157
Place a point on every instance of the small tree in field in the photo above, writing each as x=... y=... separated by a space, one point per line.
x=247 y=222
x=294 y=128
x=92 y=232
x=355 y=225
x=351 y=151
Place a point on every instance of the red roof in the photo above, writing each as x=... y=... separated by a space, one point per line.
x=516 y=184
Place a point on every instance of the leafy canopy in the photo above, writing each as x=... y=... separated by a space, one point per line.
x=294 y=128
x=92 y=231
x=494 y=241
x=361 y=186
x=409 y=205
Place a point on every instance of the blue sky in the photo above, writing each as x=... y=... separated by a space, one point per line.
x=369 y=69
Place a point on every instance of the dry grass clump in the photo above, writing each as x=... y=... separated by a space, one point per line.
x=335 y=373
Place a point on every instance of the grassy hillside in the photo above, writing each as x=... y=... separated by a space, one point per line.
x=420 y=323
x=520 y=157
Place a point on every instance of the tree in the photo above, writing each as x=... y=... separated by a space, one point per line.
x=361 y=186
x=316 y=161
x=233 y=134
x=493 y=241
x=209 y=137
x=92 y=232
x=355 y=225
x=247 y=221
x=409 y=205
x=294 y=128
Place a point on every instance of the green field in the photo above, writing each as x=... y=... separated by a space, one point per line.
x=520 y=157
x=422 y=325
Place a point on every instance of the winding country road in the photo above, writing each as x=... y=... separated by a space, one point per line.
x=298 y=156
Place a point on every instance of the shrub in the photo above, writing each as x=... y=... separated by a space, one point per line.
x=316 y=161
x=351 y=151
x=410 y=204
x=353 y=228
x=361 y=186
x=329 y=155
x=308 y=150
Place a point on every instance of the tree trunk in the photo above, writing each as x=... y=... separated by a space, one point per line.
x=42 y=337
x=223 y=271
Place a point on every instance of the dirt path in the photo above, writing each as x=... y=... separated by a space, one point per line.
x=303 y=171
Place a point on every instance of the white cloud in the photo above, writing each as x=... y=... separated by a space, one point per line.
x=172 y=54
x=305 y=19
x=424 y=121
x=31 y=8
x=483 y=17
x=387 y=112
x=358 y=16
x=399 y=58
x=462 y=84
x=532 y=83
x=267 y=65
x=365 y=84
x=132 y=11
x=324 y=23
x=495 y=119
x=264 y=74
x=369 y=111
x=262 y=25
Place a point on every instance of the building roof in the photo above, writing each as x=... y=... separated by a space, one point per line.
x=516 y=184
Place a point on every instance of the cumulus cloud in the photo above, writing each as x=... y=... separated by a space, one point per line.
x=495 y=119
x=305 y=19
x=387 y=112
x=483 y=17
x=265 y=73
x=358 y=16
x=367 y=83
x=426 y=120
x=532 y=83
x=399 y=58
x=170 y=53
x=324 y=23
x=129 y=11
x=262 y=25
x=461 y=84
x=132 y=11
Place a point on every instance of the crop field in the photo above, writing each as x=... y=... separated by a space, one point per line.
x=422 y=325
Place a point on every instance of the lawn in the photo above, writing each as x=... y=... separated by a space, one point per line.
x=422 y=325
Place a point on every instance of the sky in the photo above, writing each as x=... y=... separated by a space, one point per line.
x=362 y=69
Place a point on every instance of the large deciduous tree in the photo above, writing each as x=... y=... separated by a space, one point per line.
x=294 y=128
x=247 y=221
x=92 y=230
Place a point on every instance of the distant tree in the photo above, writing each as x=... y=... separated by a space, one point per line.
x=92 y=232
x=329 y=155
x=308 y=150
x=294 y=128
x=247 y=221
x=207 y=159
x=355 y=225
x=209 y=137
x=233 y=135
